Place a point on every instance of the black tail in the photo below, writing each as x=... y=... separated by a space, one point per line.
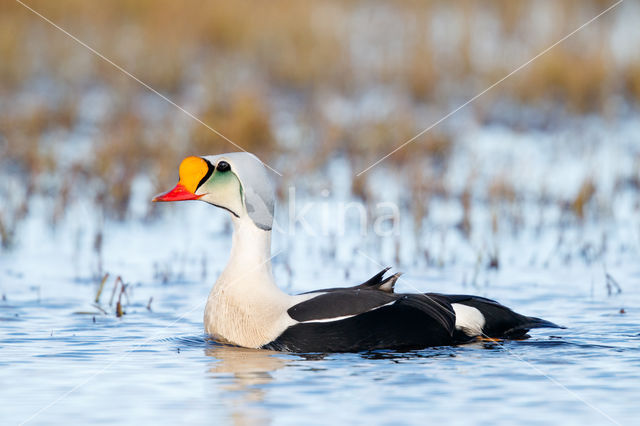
x=500 y=321
x=528 y=324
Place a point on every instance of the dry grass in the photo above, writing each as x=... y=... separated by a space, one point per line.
x=583 y=197
x=582 y=82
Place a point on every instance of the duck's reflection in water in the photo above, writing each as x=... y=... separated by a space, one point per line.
x=251 y=368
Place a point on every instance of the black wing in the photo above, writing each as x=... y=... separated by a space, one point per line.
x=355 y=320
x=340 y=303
x=404 y=324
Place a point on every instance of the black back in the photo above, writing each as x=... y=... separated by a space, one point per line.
x=413 y=321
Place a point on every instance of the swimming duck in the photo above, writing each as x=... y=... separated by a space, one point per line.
x=246 y=307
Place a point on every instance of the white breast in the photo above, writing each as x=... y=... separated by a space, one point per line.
x=248 y=313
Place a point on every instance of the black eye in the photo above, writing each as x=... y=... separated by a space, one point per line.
x=223 y=166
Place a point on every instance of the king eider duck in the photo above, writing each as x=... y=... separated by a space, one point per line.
x=246 y=307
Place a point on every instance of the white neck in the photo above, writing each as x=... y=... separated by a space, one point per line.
x=245 y=307
x=250 y=250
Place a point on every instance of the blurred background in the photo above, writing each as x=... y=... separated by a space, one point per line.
x=311 y=86
x=529 y=195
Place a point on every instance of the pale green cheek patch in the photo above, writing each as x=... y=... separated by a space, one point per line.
x=224 y=190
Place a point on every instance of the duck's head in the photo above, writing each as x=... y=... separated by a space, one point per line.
x=237 y=182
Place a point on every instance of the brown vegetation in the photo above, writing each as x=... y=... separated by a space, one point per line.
x=236 y=65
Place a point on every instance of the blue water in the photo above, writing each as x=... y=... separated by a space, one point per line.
x=60 y=364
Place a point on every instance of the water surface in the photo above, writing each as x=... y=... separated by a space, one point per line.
x=63 y=360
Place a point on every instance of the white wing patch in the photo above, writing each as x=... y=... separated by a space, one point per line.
x=469 y=320
x=347 y=316
x=328 y=319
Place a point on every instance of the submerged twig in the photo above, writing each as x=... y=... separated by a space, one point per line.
x=104 y=280
x=123 y=290
x=115 y=287
x=95 y=305
x=612 y=285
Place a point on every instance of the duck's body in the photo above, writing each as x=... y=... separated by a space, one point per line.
x=246 y=307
